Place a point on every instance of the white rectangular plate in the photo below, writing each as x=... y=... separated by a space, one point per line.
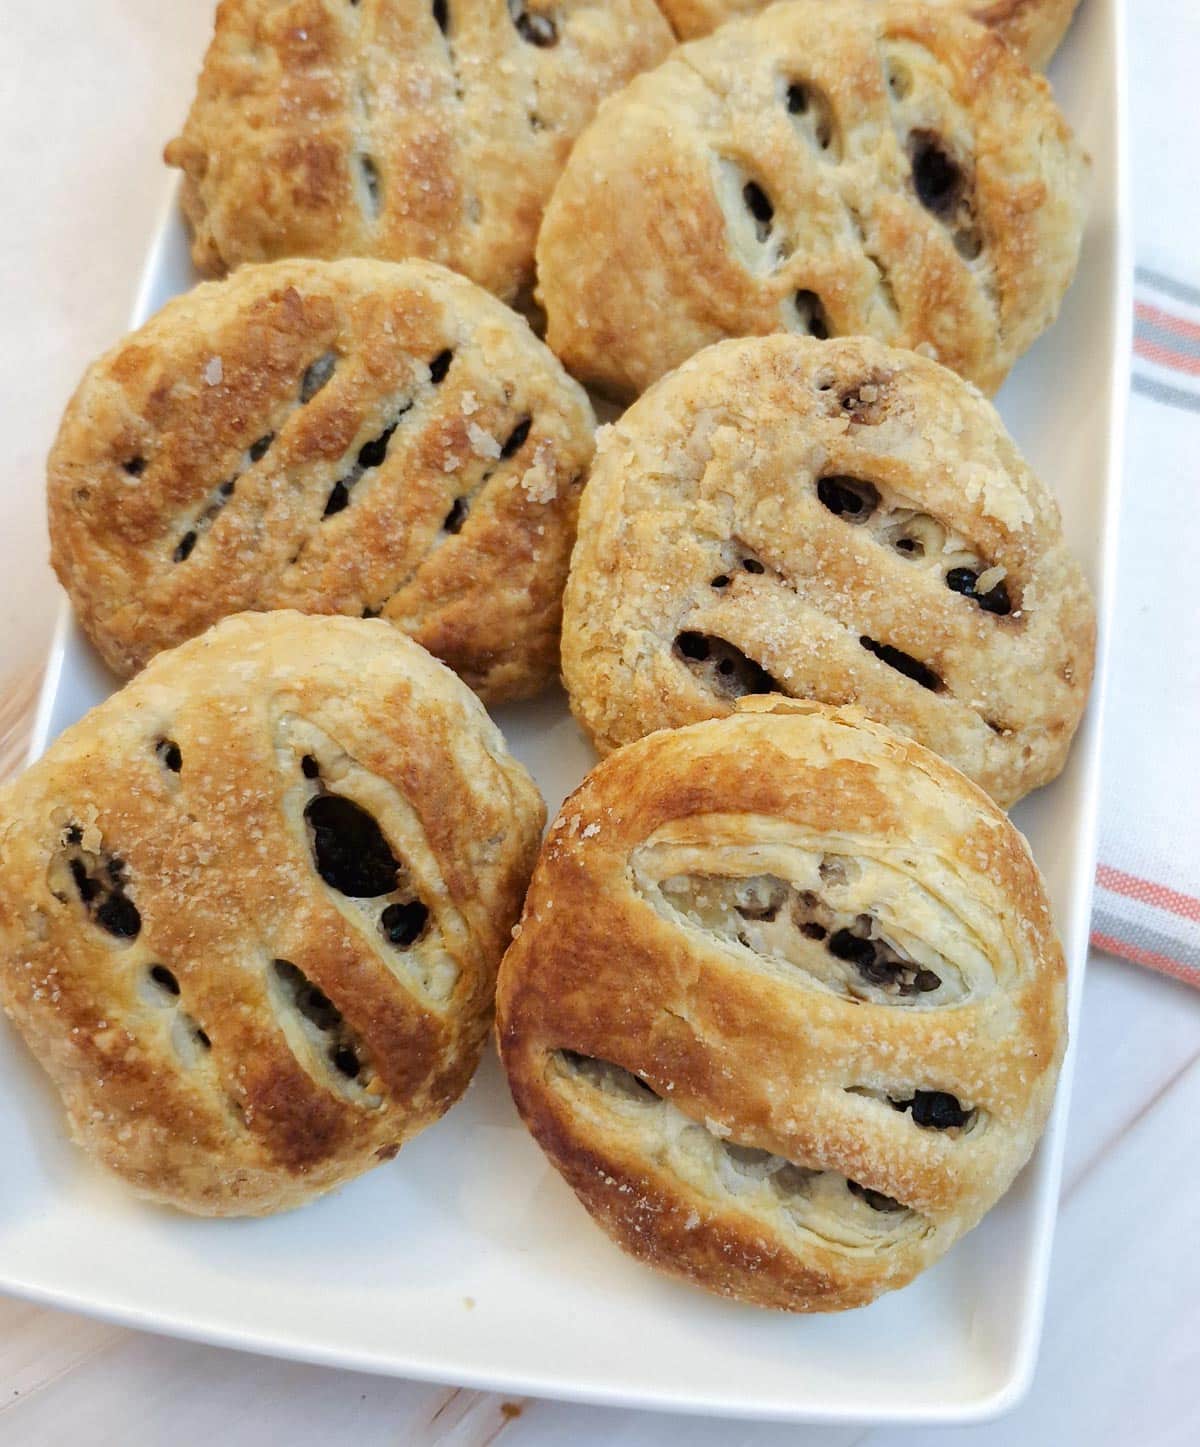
x=467 y=1260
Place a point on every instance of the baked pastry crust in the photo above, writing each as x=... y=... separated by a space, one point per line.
x=1034 y=28
x=394 y=128
x=245 y=992
x=835 y=520
x=888 y=170
x=766 y=957
x=337 y=437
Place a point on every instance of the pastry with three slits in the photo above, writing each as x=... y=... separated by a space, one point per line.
x=786 y=1008
x=835 y=520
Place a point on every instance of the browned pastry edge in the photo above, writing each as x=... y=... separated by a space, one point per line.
x=1034 y=28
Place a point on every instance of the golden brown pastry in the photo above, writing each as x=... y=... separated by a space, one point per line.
x=398 y=128
x=358 y=437
x=1033 y=28
x=251 y=908
x=785 y=1007
x=890 y=170
x=833 y=520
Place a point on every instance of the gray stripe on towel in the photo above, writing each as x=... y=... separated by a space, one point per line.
x=1169 y=396
x=1126 y=932
x=1180 y=290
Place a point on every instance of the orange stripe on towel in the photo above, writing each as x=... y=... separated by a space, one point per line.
x=1164 y=964
x=1148 y=892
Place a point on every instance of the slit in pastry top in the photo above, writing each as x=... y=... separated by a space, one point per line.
x=841 y=1213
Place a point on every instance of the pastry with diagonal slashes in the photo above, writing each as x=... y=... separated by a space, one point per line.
x=881 y=169
x=398 y=128
x=251 y=908
x=360 y=437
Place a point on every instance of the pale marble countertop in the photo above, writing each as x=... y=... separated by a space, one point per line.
x=91 y=90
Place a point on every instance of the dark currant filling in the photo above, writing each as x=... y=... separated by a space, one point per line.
x=369 y=172
x=533 y=27
x=318 y=1009
x=903 y=663
x=316 y=376
x=164 y=979
x=848 y=497
x=812 y=108
x=725 y=669
x=351 y=854
x=813 y=317
x=879 y=964
x=937 y=176
x=169 y=754
x=371 y=455
x=786 y=1178
x=457 y=515
x=516 y=438
x=875 y=1199
x=403 y=923
x=934 y=1109
x=995 y=600
x=758 y=203
x=100 y=883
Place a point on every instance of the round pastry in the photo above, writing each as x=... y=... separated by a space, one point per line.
x=358 y=437
x=890 y=170
x=785 y=1007
x=1033 y=28
x=251 y=908
x=398 y=128
x=832 y=520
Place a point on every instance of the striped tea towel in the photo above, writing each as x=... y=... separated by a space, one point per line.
x=1148 y=881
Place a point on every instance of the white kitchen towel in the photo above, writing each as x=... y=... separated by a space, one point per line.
x=1148 y=880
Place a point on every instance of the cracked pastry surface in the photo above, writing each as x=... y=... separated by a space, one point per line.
x=397 y=128
x=785 y=1007
x=890 y=170
x=834 y=520
x=1033 y=28
x=360 y=437
x=252 y=906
